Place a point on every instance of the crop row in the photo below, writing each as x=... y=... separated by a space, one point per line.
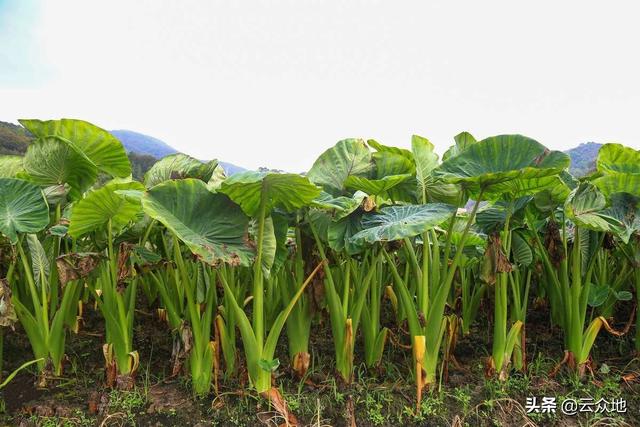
x=499 y=219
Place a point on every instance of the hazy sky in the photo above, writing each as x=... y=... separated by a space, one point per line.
x=274 y=83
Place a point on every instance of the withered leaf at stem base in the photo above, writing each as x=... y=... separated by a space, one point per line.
x=495 y=261
x=7 y=313
x=74 y=266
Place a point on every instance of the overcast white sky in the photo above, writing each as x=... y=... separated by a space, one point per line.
x=274 y=83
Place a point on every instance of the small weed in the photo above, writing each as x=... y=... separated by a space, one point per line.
x=374 y=410
x=463 y=396
x=129 y=403
x=78 y=419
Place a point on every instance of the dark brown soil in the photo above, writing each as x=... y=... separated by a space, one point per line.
x=383 y=396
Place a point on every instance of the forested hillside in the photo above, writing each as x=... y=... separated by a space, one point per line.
x=13 y=139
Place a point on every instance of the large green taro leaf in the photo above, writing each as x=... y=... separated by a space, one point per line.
x=463 y=140
x=110 y=203
x=398 y=222
x=341 y=206
x=387 y=149
x=619 y=183
x=505 y=166
x=179 y=166
x=426 y=161
x=616 y=158
x=346 y=214
x=585 y=206
x=50 y=161
x=493 y=216
x=213 y=227
x=98 y=145
x=10 y=166
x=348 y=157
x=394 y=174
x=429 y=188
x=555 y=195
x=23 y=208
x=375 y=186
x=340 y=232
x=283 y=190
x=626 y=209
x=215 y=181
x=391 y=161
x=473 y=237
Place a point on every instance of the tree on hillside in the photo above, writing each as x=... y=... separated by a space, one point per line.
x=13 y=139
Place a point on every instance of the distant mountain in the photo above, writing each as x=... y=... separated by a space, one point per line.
x=142 y=144
x=230 y=168
x=583 y=158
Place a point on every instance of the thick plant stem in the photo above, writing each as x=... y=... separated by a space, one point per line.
x=500 y=359
x=433 y=329
x=418 y=357
x=41 y=320
x=339 y=318
x=263 y=380
x=299 y=322
x=437 y=306
x=519 y=312
x=576 y=321
x=258 y=282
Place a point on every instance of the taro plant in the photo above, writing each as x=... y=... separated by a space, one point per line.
x=292 y=276
x=506 y=168
x=226 y=325
x=349 y=279
x=258 y=193
x=7 y=320
x=24 y=211
x=43 y=317
x=403 y=223
x=374 y=336
x=568 y=258
x=620 y=182
x=354 y=181
x=471 y=289
x=99 y=147
x=346 y=289
x=169 y=281
x=101 y=216
x=65 y=158
x=507 y=219
x=179 y=166
x=215 y=230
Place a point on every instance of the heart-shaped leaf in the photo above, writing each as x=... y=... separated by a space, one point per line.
x=23 y=208
x=349 y=157
x=211 y=225
x=104 y=150
x=398 y=222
